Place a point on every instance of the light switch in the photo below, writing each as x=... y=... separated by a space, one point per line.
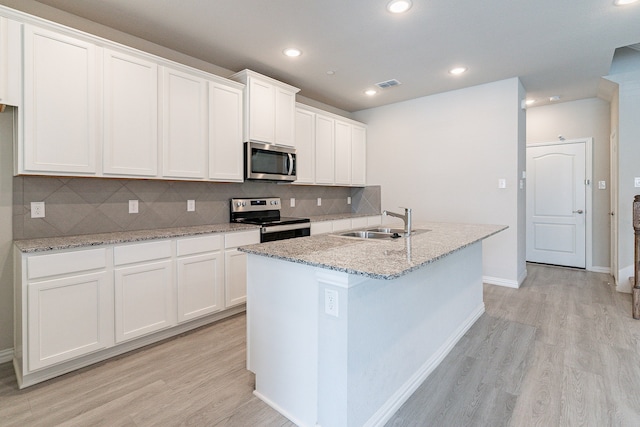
x=602 y=185
x=502 y=183
x=191 y=205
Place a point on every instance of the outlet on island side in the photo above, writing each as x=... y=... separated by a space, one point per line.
x=331 y=302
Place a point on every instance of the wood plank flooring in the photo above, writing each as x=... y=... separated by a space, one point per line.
x=563 y=350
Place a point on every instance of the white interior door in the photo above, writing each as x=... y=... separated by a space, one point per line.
x=556 y=204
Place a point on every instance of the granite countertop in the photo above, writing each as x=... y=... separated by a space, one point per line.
x=332 y=217
x=378 y=259
x=69 y=242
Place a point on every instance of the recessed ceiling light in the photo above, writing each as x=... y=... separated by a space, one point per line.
x=331 y=72
x=399 y=6
x=458 y=70
x=554 y=98
x=530 y=101
x=370 y=92
x=623 y=2
x=292 y=52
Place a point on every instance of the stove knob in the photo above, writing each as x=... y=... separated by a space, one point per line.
x=238 y=204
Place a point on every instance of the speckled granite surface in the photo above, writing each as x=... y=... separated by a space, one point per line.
x=53 y=243
x=378 y=259
x=332 y=217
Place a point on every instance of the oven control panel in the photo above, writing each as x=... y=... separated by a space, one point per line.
x=252 y=205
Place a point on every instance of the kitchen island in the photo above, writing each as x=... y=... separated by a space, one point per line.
x=341 y=331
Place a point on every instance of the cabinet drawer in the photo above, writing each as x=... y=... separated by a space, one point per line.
x=141 y=252
x=197 y=245
x=233 y=240
x=64 y=263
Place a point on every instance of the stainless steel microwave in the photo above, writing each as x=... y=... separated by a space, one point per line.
x=269 y=162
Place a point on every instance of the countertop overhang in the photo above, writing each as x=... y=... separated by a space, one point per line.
x=377 y=259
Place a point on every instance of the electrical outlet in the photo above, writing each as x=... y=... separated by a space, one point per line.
x=133 y=206
x=348 y=200
x=292 y=202
x=331 y=302
x=636 y=182
x=37 y=209
x=191 y=205
x=502 y=183
x=319 y=201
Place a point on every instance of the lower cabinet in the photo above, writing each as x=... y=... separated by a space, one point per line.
x=75 y=307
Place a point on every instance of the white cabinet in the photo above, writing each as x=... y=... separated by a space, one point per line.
x=305 y=146
x=144 y=288
x=10 y=62
x=235 y=266
x=269 y=109
x=358 y=156
x=70 y=304
x=226 y=161
x=325 y=156
x=130 y=115
x=200 y=273
x=60 y=104
x=342 y=153
x=184 y=125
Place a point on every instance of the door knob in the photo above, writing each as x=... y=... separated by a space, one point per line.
x=579 y=211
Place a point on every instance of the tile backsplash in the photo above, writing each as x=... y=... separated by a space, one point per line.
x=95 y=205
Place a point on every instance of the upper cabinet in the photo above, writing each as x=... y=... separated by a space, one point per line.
x=331 y=149
x=269 y=107
x=225 y=132
x=10 y=62
x=130 y=115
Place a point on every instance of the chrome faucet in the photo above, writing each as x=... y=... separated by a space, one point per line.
x=406 y=218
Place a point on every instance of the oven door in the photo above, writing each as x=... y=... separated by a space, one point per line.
x=269 y=162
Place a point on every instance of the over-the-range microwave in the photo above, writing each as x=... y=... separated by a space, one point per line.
x=268 y=162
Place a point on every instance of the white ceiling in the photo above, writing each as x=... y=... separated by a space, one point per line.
x=556 y=47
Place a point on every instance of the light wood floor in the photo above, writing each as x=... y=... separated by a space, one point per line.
x=562 y=350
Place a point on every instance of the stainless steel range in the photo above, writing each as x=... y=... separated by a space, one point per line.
x=265 y=212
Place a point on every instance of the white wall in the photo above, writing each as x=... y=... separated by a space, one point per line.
x=573 y=120
x=628 y=128
x=6 y=233
x=442 y=155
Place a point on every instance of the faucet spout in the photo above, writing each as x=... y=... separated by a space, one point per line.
x=406 y=218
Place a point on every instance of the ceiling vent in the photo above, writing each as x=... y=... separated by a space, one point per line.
x=388 y=84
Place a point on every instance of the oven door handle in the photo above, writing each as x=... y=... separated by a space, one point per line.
x=290 y=163
x=285 y=227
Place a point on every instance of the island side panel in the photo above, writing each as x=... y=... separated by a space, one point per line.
x=282 y=336
x=396 y=332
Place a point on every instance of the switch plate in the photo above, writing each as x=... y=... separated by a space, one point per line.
x=191 y=205
x=602 y=185
x=636 y=182
x=331 y=302
x=133 y=206
x=349 y=200
x=37 y=209
x=502 y=183
x=319 y=201
x=292 y=202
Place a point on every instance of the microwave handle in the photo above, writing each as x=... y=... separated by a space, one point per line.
x=290 y=163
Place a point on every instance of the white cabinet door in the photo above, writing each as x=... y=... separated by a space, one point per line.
x=305 y=146
x=225 y=133
x=285 y=105
x=60 y=104
x=358 y=156
x=68 y=317
x=235 y=271
x=10 y=62
x=200 y=285
x=262 y=112
x=184 y=125
x=324 y=150
x=143 y=299
x=130 y=115
x=343 y=153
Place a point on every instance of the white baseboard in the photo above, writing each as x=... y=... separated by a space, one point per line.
x=597 y=269
x=6 y=355
x=398 y=398
x=500 y=282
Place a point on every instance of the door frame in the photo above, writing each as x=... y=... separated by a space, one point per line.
x=588 y=173
x=613 y=204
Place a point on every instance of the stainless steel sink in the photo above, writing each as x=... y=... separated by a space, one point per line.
x=380 y=233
